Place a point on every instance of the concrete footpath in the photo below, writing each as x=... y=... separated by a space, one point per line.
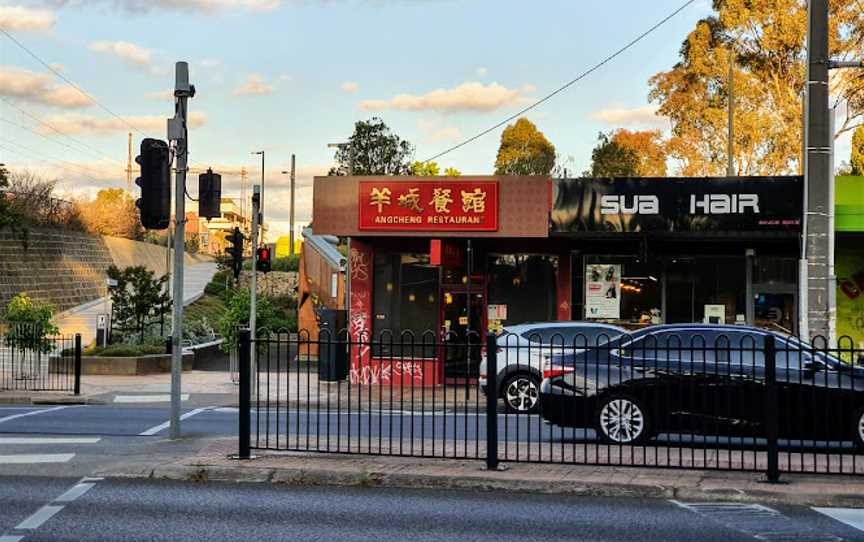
x=212 y=463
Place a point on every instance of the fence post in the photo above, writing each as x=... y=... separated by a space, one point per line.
x=491 y=402
x=245 y=366
x=77 y=364
x=773 y=473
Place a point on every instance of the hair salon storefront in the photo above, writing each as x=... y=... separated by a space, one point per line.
x=442 y=257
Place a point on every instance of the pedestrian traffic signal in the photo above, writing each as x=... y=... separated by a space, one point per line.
x=235 y=240
x=262 y=260
x=155 y=183
x=209 y=194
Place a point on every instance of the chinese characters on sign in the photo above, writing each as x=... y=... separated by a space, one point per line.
x=428 y=205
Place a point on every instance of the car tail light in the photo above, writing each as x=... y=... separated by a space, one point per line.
x=552 y=370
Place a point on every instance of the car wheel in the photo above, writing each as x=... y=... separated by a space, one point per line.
x=621 y=419
x=858 y=429
x=521 y=394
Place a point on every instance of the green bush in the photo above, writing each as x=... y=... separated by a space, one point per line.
x=237 y=315
x=286 y=263
x=29 y=324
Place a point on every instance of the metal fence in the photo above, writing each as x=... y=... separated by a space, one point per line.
x=31 y=361
x=721 y=399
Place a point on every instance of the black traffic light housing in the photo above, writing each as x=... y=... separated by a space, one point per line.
x=236 y=239
x=262 y=259
x=155 y=183
x=209 y=195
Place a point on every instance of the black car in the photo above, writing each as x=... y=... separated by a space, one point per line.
x=702 y=379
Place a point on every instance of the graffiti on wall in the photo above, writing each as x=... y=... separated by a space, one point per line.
x=385 y=372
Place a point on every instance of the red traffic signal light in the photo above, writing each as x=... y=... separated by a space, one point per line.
x=262 y=260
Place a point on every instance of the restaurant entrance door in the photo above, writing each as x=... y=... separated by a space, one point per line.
x=463 y=322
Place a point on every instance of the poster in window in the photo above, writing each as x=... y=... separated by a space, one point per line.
x=603 y=291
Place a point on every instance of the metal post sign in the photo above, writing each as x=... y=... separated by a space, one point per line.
x=424 y=205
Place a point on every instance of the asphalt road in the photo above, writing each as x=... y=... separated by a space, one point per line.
x=38 y=508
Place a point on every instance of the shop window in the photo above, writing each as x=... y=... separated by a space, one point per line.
x=720 y=286
x=621 y=290
x=523 y=287
x=405 y=304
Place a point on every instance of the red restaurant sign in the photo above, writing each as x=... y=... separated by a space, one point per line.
x=428 y=205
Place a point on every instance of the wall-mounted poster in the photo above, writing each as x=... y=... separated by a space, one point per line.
x=603 y=291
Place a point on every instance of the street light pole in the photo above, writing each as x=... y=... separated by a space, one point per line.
x=291 y=209
x=261 y=202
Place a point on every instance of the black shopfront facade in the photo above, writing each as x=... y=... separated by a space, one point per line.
x=680 y=250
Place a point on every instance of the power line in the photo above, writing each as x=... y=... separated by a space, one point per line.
x=72 y=84
x=94 y=151
x=75 y=168
x=584 y=74
x=69 y=81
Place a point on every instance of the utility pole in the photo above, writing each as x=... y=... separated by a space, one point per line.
x=177 y=132
x=243 y=202
x=260 y=208
x=730 y=98
x=291 y=210
x=129 y=166
x=253 y=293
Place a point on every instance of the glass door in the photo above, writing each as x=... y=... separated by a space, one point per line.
x=678 y=292
x=463 y=322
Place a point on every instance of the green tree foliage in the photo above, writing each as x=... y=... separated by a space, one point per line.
x=376 y=151
x=140 y=299
x=29 y=324
x=236 y=316
x=612 y=159
x=452 y=172
x=10 y=219
x=425 y=169
x=857 y=161
x=524 y=150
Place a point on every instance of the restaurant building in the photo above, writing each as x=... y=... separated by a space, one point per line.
x=443 y=257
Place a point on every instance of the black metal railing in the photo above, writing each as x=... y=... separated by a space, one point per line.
x=723 y=398
x=32 y=361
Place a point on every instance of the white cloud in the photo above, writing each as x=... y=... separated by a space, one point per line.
x=86 y=124
x=39 y=88
x=435 y=133
x=22 y=19
x=644 y=117
x=211 y=63
x=350 y=86
x=254 y=85
x=470 y=96
x=132 y=54
x=284 y=77
x=482 y=71
x=209 y=7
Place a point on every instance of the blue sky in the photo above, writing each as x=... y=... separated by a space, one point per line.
x=290 y=76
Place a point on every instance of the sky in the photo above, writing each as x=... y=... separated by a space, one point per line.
x=291 y=76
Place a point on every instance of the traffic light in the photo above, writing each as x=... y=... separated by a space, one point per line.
x=209 y=194
x=155 y=183
x=236 y=251
x=262 y=260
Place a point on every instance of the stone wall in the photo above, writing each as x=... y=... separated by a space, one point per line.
x=61 y=267
x=272 y=284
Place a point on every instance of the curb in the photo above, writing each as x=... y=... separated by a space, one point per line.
x=478 y=482
x=37 y=400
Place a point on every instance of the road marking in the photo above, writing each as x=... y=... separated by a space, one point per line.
x=147 y=398
x=23 y=459
x=37 y=519
x=758 y=521
x=34 y=413
x=162 y=426
x=49 y=440
x=853 y=517
x=74 y=492
x=11 y=538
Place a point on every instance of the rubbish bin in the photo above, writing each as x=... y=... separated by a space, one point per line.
x=332 y=346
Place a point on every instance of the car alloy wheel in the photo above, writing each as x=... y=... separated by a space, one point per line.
x=622 y=421
x=521 y=394
x=859 y=429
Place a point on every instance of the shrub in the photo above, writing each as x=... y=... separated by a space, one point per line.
x=125 y=350
x=29 y=324
x=286 y=263
x=237 y=316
